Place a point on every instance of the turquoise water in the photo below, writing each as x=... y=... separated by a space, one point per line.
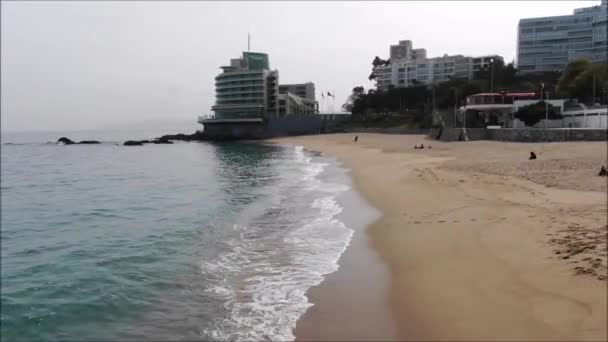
x=189 y=241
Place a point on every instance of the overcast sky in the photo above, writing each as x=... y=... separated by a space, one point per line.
x=86 y=64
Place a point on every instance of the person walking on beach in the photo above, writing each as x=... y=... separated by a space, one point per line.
x=356 y=138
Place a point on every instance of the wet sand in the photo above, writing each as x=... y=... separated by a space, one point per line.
x=480 y=243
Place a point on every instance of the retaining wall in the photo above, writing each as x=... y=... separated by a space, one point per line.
x=547 y=135
x=389 y=130
x=521 y=135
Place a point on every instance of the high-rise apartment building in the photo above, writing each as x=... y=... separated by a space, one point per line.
x=550 y=43
x=409 y=67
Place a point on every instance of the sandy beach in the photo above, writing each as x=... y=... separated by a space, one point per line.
x=480 y=243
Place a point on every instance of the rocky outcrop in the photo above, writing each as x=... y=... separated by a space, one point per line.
x=133 y=143
x=68 y=141
x=65 y=141
x=165 y=139
x=162 y=140
x=196 y=136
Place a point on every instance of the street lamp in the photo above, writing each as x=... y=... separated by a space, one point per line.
x=547 y=110
x=492 y=75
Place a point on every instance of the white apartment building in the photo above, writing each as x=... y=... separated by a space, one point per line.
x=409 y=67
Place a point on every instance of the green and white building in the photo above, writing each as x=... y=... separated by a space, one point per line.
x=247 y=88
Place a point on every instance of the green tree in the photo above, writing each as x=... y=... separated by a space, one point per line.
x=571 y=72
x=533 y=113
x=582 y=86
x=377 y=62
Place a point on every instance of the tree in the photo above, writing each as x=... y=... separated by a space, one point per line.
x=356 y=101
x=377 y=62
x=533 y=113
x=566 y=80
x=582 y=86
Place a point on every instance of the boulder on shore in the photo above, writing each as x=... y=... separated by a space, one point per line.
x=65 y=141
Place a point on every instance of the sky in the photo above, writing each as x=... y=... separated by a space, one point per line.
x=88 y=64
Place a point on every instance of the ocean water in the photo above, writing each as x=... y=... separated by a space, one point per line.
x=190 y=241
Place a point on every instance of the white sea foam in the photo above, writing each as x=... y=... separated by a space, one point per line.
x=264 y=276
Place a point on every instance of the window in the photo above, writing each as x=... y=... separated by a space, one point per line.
x=401 y=81
x=401 y=69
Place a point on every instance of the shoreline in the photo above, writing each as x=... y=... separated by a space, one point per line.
x=366 y=289
x=475 y=253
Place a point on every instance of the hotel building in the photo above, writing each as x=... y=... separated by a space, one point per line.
x=247 y=88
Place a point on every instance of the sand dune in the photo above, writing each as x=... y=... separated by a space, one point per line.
x=481 y=243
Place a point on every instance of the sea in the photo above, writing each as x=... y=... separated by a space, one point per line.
x=189 y=241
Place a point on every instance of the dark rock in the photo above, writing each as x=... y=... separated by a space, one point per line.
x=162 y=140
x=133 y=143
x=196 y=136
x=603 y=172
x=532 y=156
x=89 y=142
x=65 y=141
x=180 y=136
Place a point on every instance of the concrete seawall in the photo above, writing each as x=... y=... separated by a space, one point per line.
x=393 y=130
x=519 y=134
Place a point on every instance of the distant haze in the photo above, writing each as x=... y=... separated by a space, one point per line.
x=87 y=64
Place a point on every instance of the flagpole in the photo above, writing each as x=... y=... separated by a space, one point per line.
x=334 y=102
x=322 y=102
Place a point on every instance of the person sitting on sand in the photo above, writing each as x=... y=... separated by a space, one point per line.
x=532 y=155
x=421 y=146
x=603 y=172
x=415 y=147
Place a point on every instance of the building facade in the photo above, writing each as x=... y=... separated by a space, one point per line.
x=248 y=89
x=297 y=99
x=550 y=43
x=304 y=90
x=290 y=103
x=409 y=67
